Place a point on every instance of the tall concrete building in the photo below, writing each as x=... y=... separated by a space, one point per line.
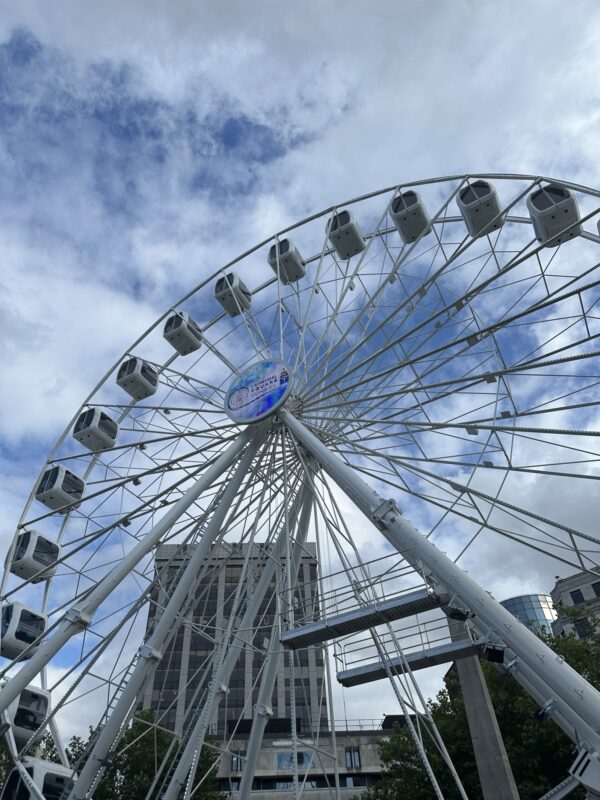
x=175 y=692
x=181 y=676
x=580 y=592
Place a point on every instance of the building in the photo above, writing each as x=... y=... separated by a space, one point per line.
x=580 y=592
x=534 y=610
x=176 y=689
x=357 y=756
x=181 y=676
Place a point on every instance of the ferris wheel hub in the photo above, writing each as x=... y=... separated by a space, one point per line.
x=258 y=391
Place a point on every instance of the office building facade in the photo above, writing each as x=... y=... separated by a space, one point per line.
x=180 y=679
x=581 y=593
x=356 y=761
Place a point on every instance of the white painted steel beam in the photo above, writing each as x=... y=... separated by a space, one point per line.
x=262 y=710
x=572 y=696
x=151 y=651
x=80 y=616
x=242 y=636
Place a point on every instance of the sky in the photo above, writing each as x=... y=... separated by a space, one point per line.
x=144 y=144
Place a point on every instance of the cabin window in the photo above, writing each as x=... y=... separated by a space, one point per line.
x=85 y=420
x=108 y=426
x=73 y=485
x=48 y=480
x=149 y=374
x=45 y=552
x=22 y=545
x=6 y=618
x=30 y=627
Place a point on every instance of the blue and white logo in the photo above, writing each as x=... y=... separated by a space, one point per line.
x=259 y=391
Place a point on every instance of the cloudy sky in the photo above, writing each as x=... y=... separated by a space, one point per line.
x=144 y=144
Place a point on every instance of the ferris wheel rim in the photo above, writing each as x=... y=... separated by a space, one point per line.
x=271 y=281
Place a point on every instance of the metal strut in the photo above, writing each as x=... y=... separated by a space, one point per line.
x=569 y=697
x=80 y=615
x=241 y=638
x=151 y=651
x=262 y=710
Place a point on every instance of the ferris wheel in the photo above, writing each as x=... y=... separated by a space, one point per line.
x=423 y=354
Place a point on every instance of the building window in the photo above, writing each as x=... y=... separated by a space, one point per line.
x=238 y=761
x=583 y=628
x=577 y=597
x=285 y=759
x=352 y=757
x=596 y=588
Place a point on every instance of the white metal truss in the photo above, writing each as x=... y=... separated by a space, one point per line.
x=457 y=374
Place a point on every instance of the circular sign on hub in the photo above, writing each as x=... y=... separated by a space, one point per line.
x=258 y=391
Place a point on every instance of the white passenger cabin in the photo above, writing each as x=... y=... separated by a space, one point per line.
x=95 y=430
x=59 y=487
x=410 y=216
x=233 y=294
x=286 y=262
x=344 y=235
x=182 y=333
x=52 y=780
x=480 y=208
x=20 y=627
x=27 y=713
x=552 y=209
x=138 y=378
x=33 y=553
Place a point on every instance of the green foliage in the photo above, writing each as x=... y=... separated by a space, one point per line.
x=539 y=752
x=139 y=755
x=138 y=758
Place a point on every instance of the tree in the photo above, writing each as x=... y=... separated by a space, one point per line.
x=539 y=752
x=139 y=754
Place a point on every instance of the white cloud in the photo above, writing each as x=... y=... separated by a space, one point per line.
x=102 y=234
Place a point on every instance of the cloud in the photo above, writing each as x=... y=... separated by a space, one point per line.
x=146 y=144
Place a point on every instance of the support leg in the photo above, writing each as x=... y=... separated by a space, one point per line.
x=150 y=653
x=495 y=774
x=576 y=700
x=243 y=635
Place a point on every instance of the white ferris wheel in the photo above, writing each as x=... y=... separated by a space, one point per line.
x=426 y=354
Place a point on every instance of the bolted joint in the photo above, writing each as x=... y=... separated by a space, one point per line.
x=109 y=759
x=545 y=711
x=150 y=653
x=76 y=616
x=263 y=710
x=382 y=511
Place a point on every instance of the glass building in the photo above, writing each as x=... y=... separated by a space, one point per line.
x=534 y=610
x=177 y=687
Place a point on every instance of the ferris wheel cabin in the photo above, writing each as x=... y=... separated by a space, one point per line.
x=182 y=333
x=95 y=430
x=345 y=235
x=286 y=262
x=27 y=713
x=21 y=626
x=138 y=378
x=59 y=487
x=52 y=780
x=552 y=209
x=410 y=216
x=233 y=294
x=480 y=208
x=34 y=553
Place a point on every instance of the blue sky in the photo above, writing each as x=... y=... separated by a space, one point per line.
x=144 y=144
